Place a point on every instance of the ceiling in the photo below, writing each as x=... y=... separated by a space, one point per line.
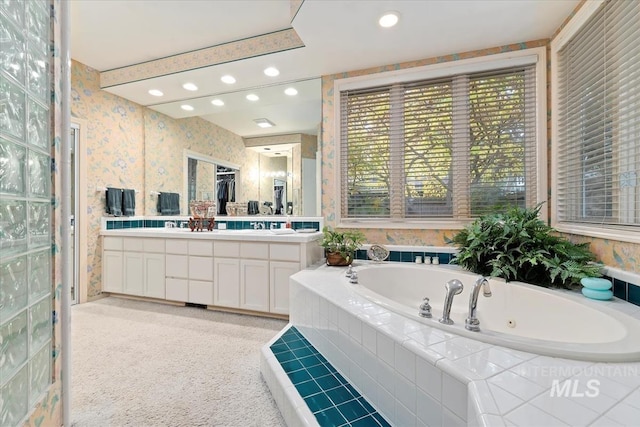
x=338 y=36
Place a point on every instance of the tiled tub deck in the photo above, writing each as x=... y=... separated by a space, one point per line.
x=414 y=374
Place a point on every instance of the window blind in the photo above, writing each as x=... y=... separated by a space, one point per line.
x=455 y=147
x=598 y=170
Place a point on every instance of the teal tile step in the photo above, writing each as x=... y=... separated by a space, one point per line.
x=327 y=394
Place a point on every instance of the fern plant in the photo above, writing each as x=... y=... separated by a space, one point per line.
x=517 y=246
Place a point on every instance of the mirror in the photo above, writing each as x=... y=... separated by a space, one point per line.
x=235 y=138
x=207 y=178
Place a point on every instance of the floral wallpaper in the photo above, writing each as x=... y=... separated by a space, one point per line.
x=621 y=255
x=115 y=155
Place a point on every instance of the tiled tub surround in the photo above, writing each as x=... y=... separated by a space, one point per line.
x=230 y=222
x=292 y=368
x=414 y=374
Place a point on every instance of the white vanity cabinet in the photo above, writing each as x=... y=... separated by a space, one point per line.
x=285 y=261
x=254 y=276
x=112 y=267
x=241 y=273
x=177 y=269
x=200 y=272
x=153 y=260
x=279 y=272
x=134 y=266
x=226 y=269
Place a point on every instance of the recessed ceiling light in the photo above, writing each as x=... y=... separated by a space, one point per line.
x=186 y=107
x=264 y=123
x=190 y=86
x=228 y=79
x=389 y=19
x=155 y=92
x=271 y=71
x=291 y=91
x=218 y=102
x=253 y=97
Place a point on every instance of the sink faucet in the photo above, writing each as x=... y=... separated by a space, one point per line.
x=258 y=225
x=472 y=323
x=453 y=287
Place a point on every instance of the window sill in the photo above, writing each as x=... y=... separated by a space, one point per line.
x=390 y=224
x=622 y=234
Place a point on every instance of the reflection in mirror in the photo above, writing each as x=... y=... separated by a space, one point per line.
x=299 y=170
x=279 y=196
x=275 y=169
x=207 y=178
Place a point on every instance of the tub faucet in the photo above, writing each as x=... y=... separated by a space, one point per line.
x=258 y=225
x=472 y=323
x=453 y=287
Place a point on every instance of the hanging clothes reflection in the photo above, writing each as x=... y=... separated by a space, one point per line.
x=225 y=188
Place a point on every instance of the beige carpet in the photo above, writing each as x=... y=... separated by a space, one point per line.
x=144 y=364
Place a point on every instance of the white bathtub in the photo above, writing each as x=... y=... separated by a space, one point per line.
x=517 y=315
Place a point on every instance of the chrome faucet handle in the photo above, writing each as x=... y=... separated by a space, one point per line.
x=354 y=278
x=472 y=323
x=349 y=272
x=425 y=308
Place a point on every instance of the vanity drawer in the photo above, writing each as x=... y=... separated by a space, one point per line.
x=112 y=243
x=180 y=247
x=201 y=248
x=285 y=252
x=226 y=249
x=254 y=250
x=133 y=244
x=154 y=245
x=177 y=266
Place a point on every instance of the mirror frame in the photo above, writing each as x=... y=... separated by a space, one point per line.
x=189 y=154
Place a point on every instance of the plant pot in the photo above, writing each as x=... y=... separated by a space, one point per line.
x=336 y=259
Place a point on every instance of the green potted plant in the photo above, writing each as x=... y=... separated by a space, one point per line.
x=517 y=246
x=340 y=246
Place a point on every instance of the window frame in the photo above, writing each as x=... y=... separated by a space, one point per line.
x=499 y=61
x=615 y=232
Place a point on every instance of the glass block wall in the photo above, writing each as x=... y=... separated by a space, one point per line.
x=25 y=208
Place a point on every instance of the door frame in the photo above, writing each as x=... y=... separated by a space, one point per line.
x=80 y=210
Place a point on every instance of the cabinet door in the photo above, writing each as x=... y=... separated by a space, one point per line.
x=112 y=274
x=133 y=273
x=154 y=279
x=177 y=289
x=226 y=284
x=279 y=291
x=200 y=292
x=254 y=285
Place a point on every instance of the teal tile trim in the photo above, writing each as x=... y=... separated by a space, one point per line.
x=231 y=224
x=329 y=396
x=627 y=291
x=410 y=256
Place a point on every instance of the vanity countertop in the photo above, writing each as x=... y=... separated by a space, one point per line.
x=185 y=233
